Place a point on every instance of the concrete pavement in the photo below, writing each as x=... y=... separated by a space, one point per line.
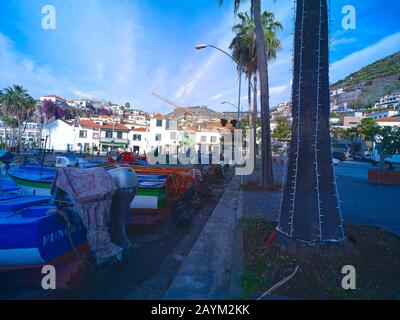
x=206 y=272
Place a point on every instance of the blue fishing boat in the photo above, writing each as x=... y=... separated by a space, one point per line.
x=8 y=186
x=31 y=235
x=34 y=180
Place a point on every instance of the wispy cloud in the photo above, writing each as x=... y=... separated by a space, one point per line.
x=353 y=62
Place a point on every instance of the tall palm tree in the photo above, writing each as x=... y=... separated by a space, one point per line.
x=310 y=208
x=267 y=175
x=19 y=105
x=244 y=48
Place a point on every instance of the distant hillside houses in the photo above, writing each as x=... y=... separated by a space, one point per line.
x=135 y=132
x=389 y=101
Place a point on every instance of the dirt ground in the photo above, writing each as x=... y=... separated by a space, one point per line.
x=373 y=252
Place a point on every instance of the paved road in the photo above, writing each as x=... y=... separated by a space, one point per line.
x=361 y=202
x=366 y=203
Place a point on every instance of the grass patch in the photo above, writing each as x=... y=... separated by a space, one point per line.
x=377 y=262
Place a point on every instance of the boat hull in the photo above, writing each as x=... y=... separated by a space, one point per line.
x=30 y=235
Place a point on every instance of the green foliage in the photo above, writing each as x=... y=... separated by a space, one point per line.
x=369 y=128
x=381 y=68
x=243 y=45
x=8 y=121
x=17 y=106
x=283 y=130
x=249 y=281
x=389 y=143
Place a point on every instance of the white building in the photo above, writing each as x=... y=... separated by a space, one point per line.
x=138 y=119
x=55 y=99
x=114 y=136
x=69 y=135
x=29 y=134
x=162 y=134
x=337 y=92
x=207 y=140
x=383 y=114
x=389 y=101
x=389 y=122
x=80 y=104
x=138 y=140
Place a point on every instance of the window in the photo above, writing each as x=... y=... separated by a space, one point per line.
x=213 y=139
x=83 y=134
x=173 y=136
x=119 y=135
x=137 y=137
x=158 y=137
x=203 y=139
x=109 y=134
x=95 y=135
x=159 y=123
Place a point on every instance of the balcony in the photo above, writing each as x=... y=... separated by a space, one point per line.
x=113 y=142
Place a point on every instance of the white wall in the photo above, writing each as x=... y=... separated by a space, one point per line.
x=61 y=134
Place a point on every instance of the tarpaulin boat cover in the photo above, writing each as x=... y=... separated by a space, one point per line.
x=91 y=192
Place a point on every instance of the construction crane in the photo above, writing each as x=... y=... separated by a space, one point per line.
x=172 y=103
x=187 y=113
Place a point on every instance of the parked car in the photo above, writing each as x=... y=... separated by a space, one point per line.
x=367 y=155
x=392 y=160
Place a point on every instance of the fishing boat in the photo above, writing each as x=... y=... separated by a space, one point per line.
x=63 y=162
x=33 y=180
x=151 y=201
x=32 y=236
x=8 y=186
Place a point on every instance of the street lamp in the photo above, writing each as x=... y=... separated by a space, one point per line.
x=230 y=103
x=203 y=46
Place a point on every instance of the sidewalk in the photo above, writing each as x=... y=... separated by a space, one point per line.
x=207 y=271
x=213 y=266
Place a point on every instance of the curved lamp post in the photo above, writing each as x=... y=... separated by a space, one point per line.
x=203 y=46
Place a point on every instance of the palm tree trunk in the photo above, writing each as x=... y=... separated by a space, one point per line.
x=267 y=175
x=255 y=115
x=310 y=206
x=249 y=118
x=19 y=137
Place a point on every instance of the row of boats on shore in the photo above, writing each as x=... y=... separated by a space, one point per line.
x=32 y=234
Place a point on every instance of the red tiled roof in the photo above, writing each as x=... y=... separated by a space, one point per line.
x=388 y=119
x=159 y=116
x=139 y=129
x=89 y=124
x=117 y=126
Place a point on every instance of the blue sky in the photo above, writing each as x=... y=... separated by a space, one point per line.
x=122 y=50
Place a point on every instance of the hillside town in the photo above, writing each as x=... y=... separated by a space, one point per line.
x=103 y=128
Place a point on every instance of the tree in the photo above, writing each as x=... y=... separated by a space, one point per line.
x=368 y=129
x=52 y=110
x=19 y=105
x=310 y=208
x=337 y=134
x=244 y=51
x=267 y=175
x=388 y=142
x=283 y=130
x=127 y=106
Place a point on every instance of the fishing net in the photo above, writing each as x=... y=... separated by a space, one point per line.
x=91 y=192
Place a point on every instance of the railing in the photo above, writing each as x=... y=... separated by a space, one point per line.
x=114 y=140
